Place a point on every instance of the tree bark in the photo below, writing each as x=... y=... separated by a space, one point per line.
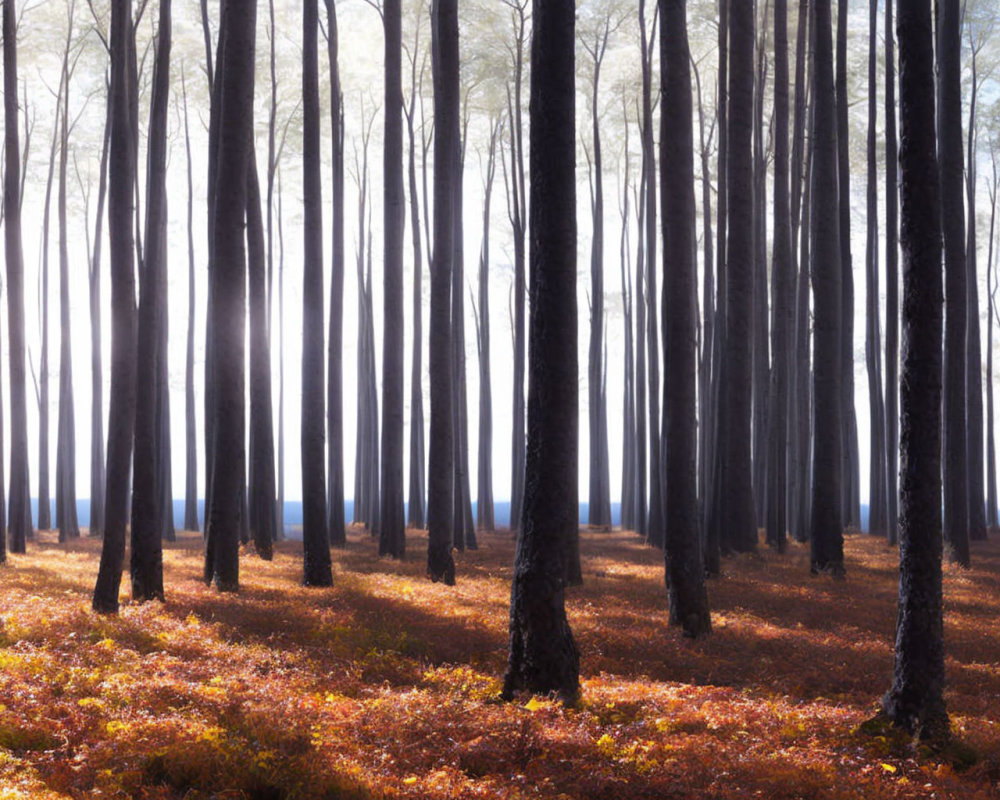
x=542 y=655
x=891 y=285
x=315 y=536
x=121 y=170
x=915 y=702
x=190 y=422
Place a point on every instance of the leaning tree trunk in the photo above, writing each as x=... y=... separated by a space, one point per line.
x=440 y=471
x=826 y=529
x=915 y=702
x=315 y=536
x=335 y=366
x=392 y=535
x=542 y=655
x=951 y=159
x=121 y=170
x=684 y=570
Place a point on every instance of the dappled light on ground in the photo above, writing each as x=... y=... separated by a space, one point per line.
x=385 y=685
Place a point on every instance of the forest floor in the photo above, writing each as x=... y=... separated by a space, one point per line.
x=386 y=685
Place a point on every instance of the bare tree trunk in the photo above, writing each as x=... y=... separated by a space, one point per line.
x=121 y=168
x=891 y=285
x=190 y=423
x=315 y=535
x=991 y=456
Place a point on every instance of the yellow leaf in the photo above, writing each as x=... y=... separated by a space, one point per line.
x=410 y=781
x=888 y=768
x=534 y=704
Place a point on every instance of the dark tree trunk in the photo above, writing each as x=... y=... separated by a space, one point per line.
x=262 y=489
x=877 y=522
x=334 y=385
x=66 y=431
x=740 y=517
x=315 y=536
x=190 y=423
x=543 y=656
x=415 y=515
x=629 y=504
x=783 y=282
x=991 y=453
x=20 y=507
x=974 y=362
x=42 y=383
x=518 y=213
x=684 y=570
x=97 y=476
x=951 y=165
x=826 y=529
x=392 y=535
x=916 y=700
x=484 y=496
x=146 y=549
x=599 y=497
x=280 y=512
x=715 y=533
x=121 y=171
x=891 y=285
x=851 y=479
x=440 y=471
x=234 y=76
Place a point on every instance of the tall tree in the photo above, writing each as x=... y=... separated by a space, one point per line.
x=684 y=570
x=915 y=702
x=991 y=457
x=891 y=284
x=121 y=177
x=190 y=425
x=146 y=551
x=952 y=166
x=315 y=536
x=392 y=535
x=542 y=655
x=826 y=528
x=873 y=338
x=783 y=282
x=851 y=480
x=335 y=367
x=741 y=520
x=440 y=470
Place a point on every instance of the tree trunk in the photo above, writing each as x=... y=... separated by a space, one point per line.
x=121 y=169
x=951 y=159
x=146 y=550
x=392 y=536
x=440 y=471
x=543 y=656
x=991 y=455
x=783 y=283
x=741 y=520
x=873 y=345
x=315 y=536
x=826 y=529
x=851 y=479
x=190 y=423
x=916 y=700
x=334 y=386
x=891 y=285
x=684 y=570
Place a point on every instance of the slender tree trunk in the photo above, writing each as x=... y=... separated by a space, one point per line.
x=121 y=167
x=873 y=345
x=991 y=457
x=392 y=538
x=826 y=536
x=916 y=700
x=950 y=156
x=684 y=570
x=440 y=471
x=315 y=535
x=783 y=283
x=629 y=494
x=891 y=285
x=334 y=387
x=190 y=423
x=542 y=655
x=851 y=480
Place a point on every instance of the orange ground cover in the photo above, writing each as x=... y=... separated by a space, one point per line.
x=385 y=685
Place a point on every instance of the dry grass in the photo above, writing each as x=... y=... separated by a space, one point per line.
x=385 y=685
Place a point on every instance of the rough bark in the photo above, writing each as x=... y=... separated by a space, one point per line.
x=915 y=702
x=542 y=655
